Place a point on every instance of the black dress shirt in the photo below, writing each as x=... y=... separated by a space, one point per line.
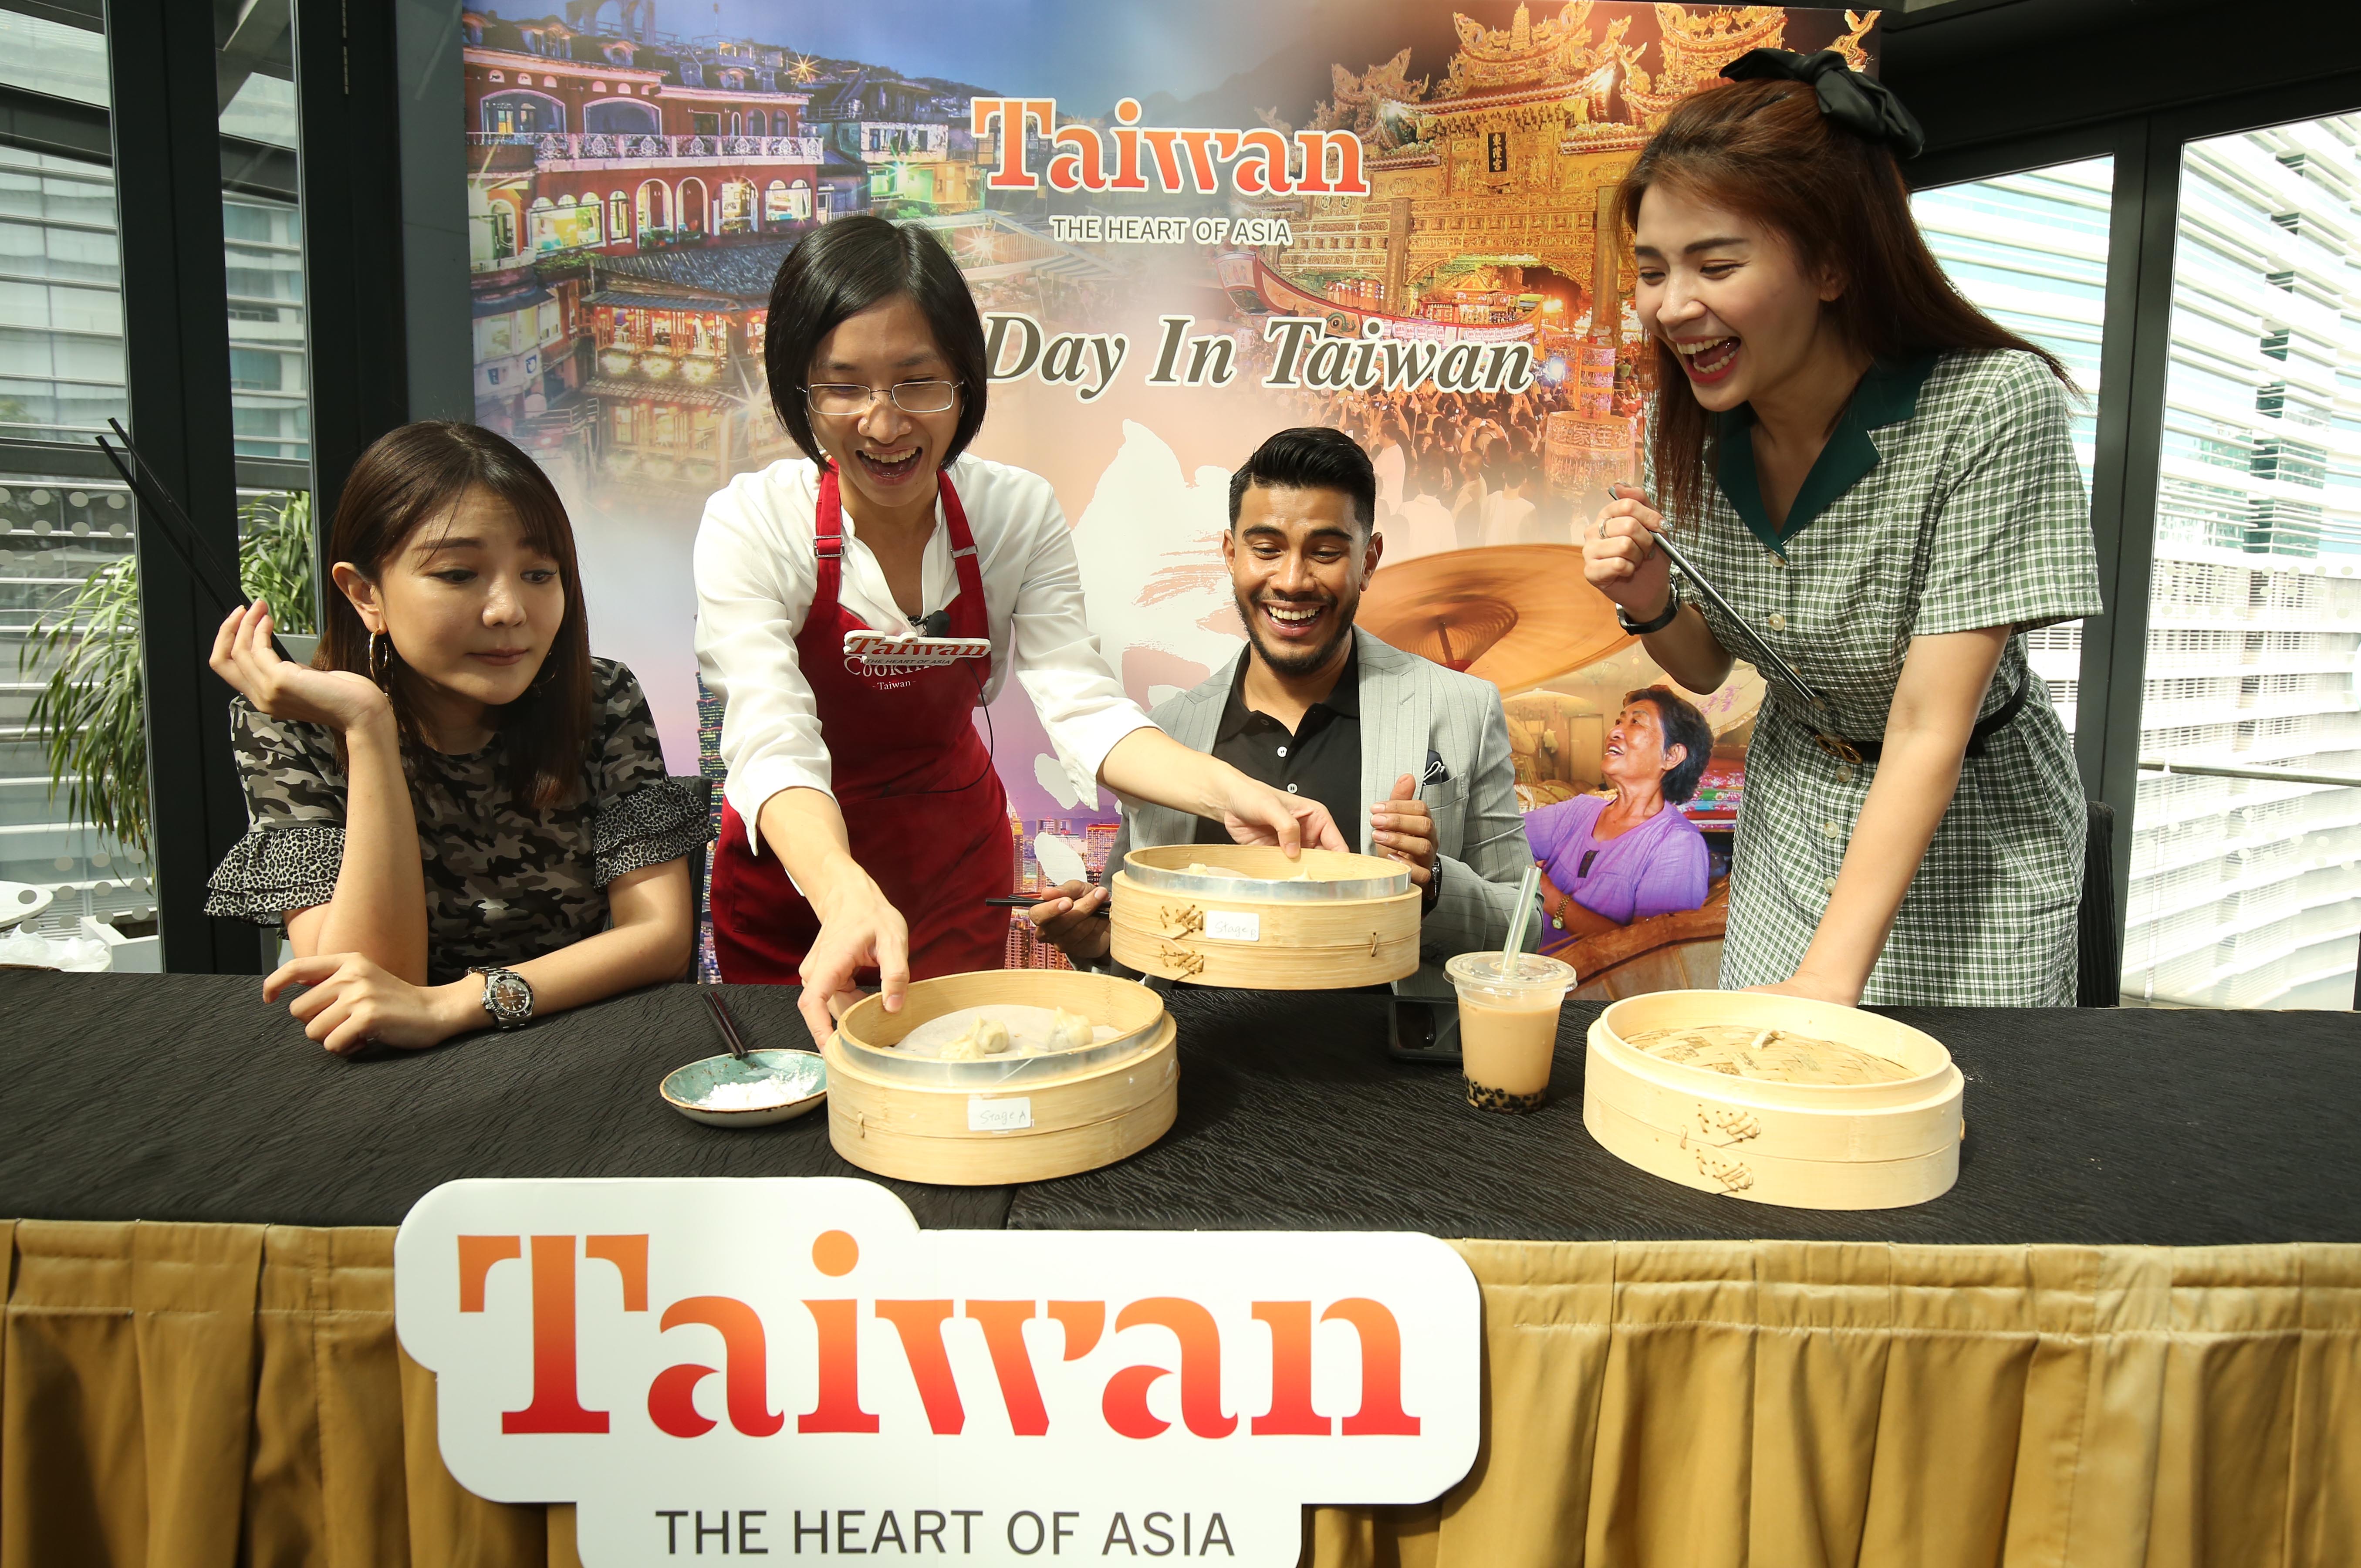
x=1321 y=757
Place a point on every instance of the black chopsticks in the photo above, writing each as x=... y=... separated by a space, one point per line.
x=220 y=582
x=1027 y=901
x=726 y=1024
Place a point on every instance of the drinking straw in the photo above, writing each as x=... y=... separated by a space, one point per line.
x=1526 y=890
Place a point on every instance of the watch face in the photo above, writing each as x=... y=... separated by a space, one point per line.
x=510 y=992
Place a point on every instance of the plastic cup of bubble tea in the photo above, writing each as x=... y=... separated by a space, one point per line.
x=1508 y=1025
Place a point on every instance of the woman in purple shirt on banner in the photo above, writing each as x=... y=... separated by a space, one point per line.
x=1607 y=862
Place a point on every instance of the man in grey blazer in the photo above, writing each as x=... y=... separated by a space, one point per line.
x=1416 y=755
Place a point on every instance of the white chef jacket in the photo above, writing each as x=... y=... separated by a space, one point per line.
x=756 y=574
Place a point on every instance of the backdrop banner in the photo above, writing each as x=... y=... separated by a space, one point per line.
x=1188 y=228
x=792 y=1365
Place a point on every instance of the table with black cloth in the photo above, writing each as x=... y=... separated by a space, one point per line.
x=2131 y=1333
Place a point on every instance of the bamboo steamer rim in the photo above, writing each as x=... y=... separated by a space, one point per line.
x=1936 y=1078
x=919 y=1132
x=1280 y=944
x=1828 y=1186
x=1126 y=1006
x=1611 y=1079
x=1620 y=1118
x=1624 y=1062
x=856 y=1075
x=1267 y=875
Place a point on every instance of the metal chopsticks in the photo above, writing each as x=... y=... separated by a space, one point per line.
x=1768 y=655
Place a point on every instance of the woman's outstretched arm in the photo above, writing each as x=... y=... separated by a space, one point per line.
x=354 y=1002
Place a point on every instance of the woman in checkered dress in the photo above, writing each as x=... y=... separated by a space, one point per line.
x=1880 y=481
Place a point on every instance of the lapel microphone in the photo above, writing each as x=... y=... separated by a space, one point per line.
x=936 y=623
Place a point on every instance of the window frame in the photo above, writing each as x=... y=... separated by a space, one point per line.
x=2134 y=357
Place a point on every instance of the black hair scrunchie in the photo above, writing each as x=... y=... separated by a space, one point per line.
x=1862 y=105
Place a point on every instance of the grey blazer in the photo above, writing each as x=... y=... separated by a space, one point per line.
x=1409 y=707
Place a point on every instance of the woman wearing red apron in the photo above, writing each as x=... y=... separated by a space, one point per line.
x=864 y=824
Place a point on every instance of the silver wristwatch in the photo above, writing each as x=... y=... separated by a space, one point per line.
x=507 y=995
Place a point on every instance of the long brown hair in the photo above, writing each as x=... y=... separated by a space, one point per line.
x=413 y=478
x=1763 y=150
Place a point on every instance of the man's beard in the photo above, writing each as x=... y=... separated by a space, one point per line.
x=1288 y=659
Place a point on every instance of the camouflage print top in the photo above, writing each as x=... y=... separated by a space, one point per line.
x=503 y=885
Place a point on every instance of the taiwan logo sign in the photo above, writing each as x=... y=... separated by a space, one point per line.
x=792 y=1368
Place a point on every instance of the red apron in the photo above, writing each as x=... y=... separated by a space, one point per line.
x=922 y=803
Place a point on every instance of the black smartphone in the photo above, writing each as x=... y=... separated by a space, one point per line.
x=1425 y=1029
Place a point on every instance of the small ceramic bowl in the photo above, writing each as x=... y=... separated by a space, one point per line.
x=803 y=1072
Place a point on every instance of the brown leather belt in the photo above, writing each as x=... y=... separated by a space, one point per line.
x=1845 y=750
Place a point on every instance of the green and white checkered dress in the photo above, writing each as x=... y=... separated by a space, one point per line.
x=1948 y=500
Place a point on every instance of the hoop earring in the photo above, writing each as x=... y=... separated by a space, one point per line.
x=380 y=661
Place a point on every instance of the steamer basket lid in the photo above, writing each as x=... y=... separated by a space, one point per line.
x=1157 y=878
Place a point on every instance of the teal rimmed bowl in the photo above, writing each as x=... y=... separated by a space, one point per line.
x=803 y=1073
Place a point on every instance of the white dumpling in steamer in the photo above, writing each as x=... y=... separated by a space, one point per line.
x=984 y=1037
x=1070 y=1031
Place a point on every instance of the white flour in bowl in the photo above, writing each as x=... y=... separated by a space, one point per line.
x=764 y=1094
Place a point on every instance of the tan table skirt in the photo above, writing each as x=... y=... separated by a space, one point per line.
x=200 y=1395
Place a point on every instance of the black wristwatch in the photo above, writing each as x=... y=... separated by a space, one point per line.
x=507 y=995
x=1642 y=628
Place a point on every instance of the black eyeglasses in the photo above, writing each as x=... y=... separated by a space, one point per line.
x=844 y=399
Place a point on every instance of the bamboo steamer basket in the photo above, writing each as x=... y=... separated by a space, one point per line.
x=1355 y=924
x=1802 y=1145
x=1007 y=1119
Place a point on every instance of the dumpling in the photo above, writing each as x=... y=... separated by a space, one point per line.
x=984 y=1037
x=1070 y=1031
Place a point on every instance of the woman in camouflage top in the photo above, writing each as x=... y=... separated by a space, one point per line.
x=454 y=785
